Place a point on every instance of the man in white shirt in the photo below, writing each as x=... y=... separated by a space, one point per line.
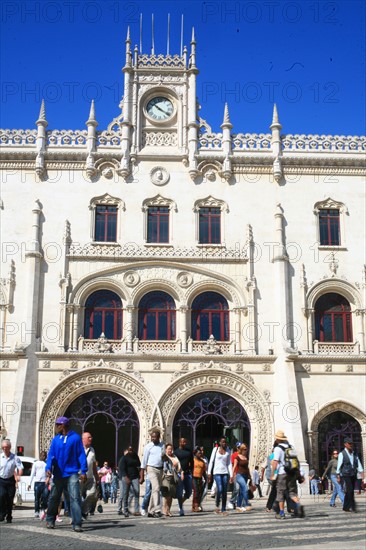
x=152 y=463
x=88 y=488
x=347 y=468
x=11 y=468
x=41 y=481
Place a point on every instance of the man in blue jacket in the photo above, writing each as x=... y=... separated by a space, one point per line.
x=66 y=458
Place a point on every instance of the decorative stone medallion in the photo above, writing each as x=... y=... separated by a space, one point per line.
x=131 y=278
x=184 y=279
x=159 y=175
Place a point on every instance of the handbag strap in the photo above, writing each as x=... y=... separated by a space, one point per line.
x=213 y=464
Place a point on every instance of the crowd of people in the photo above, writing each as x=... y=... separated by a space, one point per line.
x=70 y=472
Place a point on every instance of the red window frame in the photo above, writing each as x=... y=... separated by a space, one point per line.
x=222 y=311
x=163 y=317
x=105 y=223
x=208 y=229
x=92 y=309
x=329 y=227
x=158 y=223
x=333 y=319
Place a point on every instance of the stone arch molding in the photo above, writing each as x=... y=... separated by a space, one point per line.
x=342 y=406
x=96 y=379
x=241 y=389
x=334 y=285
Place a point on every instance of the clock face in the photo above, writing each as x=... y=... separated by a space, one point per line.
x=160 y=108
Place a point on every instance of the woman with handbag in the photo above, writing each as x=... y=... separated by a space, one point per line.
x=242 y=476
x=171 y=469
x=221 y=469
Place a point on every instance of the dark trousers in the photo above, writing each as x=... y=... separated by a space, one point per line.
x=197 y=485
x=258 y=485
x=349 y=490
x=7 y=493
x=40 y=496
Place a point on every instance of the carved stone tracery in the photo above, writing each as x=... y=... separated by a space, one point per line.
x=84 y=381
x=235 y=385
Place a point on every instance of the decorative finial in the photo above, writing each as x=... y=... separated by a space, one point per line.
x=193 y=40
x=42 y=115
x=275 y=121
x=91 y=120
x=226 y=114
x=128 y=37
x=226 y=122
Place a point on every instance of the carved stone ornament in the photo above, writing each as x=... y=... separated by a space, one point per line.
x=349 y=368
x=185 y=366
x=131 y=278
x=307 y=368
x=45 y=392
x=231 y=384
x=266 y=367
x=129 y=366
x=157 y=366
x=5 y=364
x=102 y=345
x=239 y=367
x=82 y=382
x=159 y=175
x=184 y=279
x=328 y=368
x=267 y=395
x=46 y=364
x=74 y=365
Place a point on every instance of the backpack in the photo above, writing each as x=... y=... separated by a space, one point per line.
x=291 y=462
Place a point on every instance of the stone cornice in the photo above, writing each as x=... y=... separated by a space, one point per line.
x=163 y=357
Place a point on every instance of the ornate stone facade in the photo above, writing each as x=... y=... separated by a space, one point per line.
x=268 y=191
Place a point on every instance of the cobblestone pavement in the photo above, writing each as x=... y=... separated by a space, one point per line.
x=323 y=526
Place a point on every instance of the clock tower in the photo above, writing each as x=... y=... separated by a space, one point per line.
x=159 y=107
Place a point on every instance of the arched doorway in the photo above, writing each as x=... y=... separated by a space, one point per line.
x=331 y=433
x=207 y=416
x=111 y=420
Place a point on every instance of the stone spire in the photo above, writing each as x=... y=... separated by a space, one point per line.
x=91 y=140
x=42 y=115
x=192 y=59
x=41 y=140
x=226 y=143
x=128 y=48
x=276 y=145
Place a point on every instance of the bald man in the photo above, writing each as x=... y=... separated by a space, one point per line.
x=88 y=487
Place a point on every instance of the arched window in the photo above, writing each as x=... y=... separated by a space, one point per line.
x=210 y=315
x=333 y=321
x=103 y=313
x=157 y=317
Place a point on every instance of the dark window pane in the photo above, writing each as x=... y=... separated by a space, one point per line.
x=163 y=326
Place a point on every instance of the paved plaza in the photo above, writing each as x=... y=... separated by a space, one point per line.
x=323 y=526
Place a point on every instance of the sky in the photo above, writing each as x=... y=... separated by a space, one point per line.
x=308 y=56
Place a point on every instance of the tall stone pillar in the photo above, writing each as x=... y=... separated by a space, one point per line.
x=23 y=423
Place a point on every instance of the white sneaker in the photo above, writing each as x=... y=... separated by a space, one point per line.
x=36 y=515
x=143 y=512
x=230 y=506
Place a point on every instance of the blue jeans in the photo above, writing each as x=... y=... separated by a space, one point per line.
x=314 y=487
x=71 y=486
x=146 y=499
x=106 y=490
x=243 y=490
x=337 y=490
x=222 y=481
x=185 y=486
x=127 y=490
x=40 y=496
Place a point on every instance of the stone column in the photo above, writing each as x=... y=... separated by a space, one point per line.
x=70 y=319
x=359 y=328
x=75 y=327
x=129 y=328
x=183 y=324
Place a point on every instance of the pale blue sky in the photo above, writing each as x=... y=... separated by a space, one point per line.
x=308 y=56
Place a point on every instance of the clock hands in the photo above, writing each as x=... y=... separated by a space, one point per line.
x=162 y=110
